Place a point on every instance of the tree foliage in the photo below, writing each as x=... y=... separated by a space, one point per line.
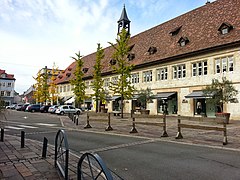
x=122 y=68
x=52 y=84
x=221 y=91
x=78 y=83
x=41 y=93
x=97 y=83
x=145 y=96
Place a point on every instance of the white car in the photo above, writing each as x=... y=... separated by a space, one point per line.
x=65 y=109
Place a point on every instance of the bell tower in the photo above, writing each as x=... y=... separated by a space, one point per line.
x=124 y=22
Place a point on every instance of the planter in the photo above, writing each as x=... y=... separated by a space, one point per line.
x=145 y=111
x=224 y=116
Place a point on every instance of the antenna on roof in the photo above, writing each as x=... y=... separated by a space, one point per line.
x=207 y=2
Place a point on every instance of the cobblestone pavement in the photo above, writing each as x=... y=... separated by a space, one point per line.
x=26 y=163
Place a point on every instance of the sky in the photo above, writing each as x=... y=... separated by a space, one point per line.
x=39 y=33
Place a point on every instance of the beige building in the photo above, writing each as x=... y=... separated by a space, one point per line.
x=176 y=60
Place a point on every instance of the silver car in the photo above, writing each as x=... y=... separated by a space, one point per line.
x=65 y=109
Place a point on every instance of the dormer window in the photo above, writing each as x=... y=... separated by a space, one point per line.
x=225 y=28
x=131 y=47
x=60 y=76
x=113 y=62
x=69 y=68
x=175 y=31
x=131 y=56
x=85 y=70
x=68 y=74
x=152 y=50
x=183 y=41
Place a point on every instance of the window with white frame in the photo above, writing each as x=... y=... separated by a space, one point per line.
x=106 y=82
x=199 y=68
x=2 y=93
x=64 y=88
x=115 y=79
x=224 y=64
x=3 y=84
x=179 y=71
x=8 y=93
x=60 y=89
x=9 y=84
x=135 y=78
x=68 y=88
x=162 y=74
x=87 y=83
x=147 y=76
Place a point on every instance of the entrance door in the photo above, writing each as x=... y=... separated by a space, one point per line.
x=200 y=106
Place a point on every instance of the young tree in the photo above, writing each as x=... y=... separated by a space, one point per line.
x=97 y=84
x=145 y=96
x=52 y=84
x=41 y=93
x=122 y=68
x=78 y=83
x=222 y=92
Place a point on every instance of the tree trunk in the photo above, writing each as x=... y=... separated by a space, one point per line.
x=122 y=106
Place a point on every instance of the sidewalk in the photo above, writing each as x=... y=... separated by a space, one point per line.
x=25 y=163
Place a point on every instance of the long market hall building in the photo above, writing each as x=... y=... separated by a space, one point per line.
x=176 y=59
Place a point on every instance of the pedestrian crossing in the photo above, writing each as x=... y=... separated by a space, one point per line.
x=22 y=126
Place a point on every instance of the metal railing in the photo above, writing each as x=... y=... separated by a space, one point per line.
x=91 y=166
x=61 y=153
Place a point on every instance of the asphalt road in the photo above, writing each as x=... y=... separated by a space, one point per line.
x=134 y=157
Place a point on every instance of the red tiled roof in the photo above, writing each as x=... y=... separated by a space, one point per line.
x=199 y=26
x=7 y=76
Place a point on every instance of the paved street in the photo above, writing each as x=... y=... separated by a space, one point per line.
x=136 y=156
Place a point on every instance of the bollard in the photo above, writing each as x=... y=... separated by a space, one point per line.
x=133 y=130
x=109 y=128
x=225 y=142
x=179 y=134
x=2 y=134
x=44 y=151
x=165 y=134
x=77 y=120
x=22 y=139
x=87 y=125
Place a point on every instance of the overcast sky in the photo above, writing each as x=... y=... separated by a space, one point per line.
x=38 y=33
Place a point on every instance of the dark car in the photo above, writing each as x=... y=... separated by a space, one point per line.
x=34 y=108
x=44 y=108
x=23 y=108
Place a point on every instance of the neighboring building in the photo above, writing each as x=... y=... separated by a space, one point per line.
x=176 y=60
x=7 y=83
x=28 y=96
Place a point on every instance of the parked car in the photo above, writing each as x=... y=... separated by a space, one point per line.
x=67 y=109
x=33 y=108
x=19 y=107
x=44 y=108
x=23 y=108
x=52 y=109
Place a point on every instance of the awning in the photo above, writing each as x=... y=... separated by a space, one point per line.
x=88 y=101
x=198 y=95
x=70 y=101
x=135 y=96
x=115 y=98
x=164 y=95
x=65 y=98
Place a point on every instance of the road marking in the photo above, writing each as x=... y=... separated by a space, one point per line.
x=43 y=124
x=13 y=127
x=31 y=127
x=119 y=146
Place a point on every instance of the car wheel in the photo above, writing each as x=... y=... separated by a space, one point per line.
x=78 y=112
x=62 y=113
